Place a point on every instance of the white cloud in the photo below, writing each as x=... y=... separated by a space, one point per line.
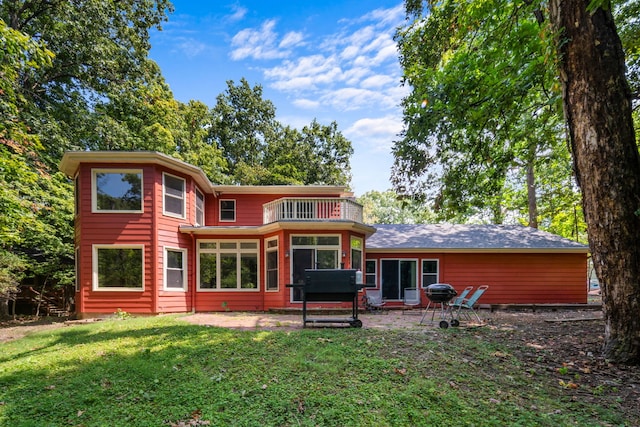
x=306 y=104
x=190 y=47
x=238 y=14
x=377 y=81
x=257 y=44
x=376 y=133
x=292 y=39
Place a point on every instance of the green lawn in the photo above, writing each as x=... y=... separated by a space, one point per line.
x=162 y=371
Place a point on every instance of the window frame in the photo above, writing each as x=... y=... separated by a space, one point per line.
x=218 y=251
x=94 y=189
x=220 y=210
x=268 y=251
x=356 y=245
x=422 y=271
x=95 y=285
x=368 y=275
x=165 y=194
x=165 y=269
x=199 y=211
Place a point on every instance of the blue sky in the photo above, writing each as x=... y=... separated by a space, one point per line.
x=328 y=60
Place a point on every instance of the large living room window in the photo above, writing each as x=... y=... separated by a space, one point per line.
x=116 y=190
x=227 y=265
x=118 y=267
x=174 y=199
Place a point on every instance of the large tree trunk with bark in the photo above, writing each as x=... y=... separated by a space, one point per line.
x=597 y=106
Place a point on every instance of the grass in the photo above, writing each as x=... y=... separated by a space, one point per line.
x=162 y=371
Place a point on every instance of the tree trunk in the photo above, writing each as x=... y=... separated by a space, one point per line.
x=597 y=107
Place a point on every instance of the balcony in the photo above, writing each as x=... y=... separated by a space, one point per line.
x=312 y=209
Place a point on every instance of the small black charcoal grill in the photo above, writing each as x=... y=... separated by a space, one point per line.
x=439 y=294
x=330 y=285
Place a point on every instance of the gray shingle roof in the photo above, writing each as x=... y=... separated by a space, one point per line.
x=469 y=237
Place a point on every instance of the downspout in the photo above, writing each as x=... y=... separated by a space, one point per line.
x=154 y=254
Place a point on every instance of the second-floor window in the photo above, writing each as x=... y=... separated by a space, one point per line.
x=174 y=189
x=199 y=208
x=116 y=190
x=227 y=210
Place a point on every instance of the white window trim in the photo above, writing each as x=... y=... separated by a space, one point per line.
x=164 y=195
x=267 y=249
x=375 y=273
x=237 y=251
x=94 y=190
x=422 y=273
x=235 y=210
x=360 y=249
x=94 y=267
x=184 y=269
x=195 y=207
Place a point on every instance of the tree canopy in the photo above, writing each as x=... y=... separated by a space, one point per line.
x=510 y=99
x=484 y=135
x=77 y=76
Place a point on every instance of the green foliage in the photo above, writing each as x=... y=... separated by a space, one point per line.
x=484 y=109
x=161 y=371
x=259 y=150
x=389 y=208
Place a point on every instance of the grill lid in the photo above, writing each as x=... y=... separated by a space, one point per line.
x=440 y=292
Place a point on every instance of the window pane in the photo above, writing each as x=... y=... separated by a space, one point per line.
x=208 y=245
x=248 y=245
x=173 y=205
x=199 y=208
x=249 y=271
x=119 y=268
x=174 y=259
x=272 y=260
x=327 y=259
x=119 y=191
x=328 y=240
x=272 y=243
x=272 y=279
x=272 y=270
x=208 y=269
x=228 y=271
x=429 y=266
x=173 y=186
x=175 y=279
x=227 y=245
x=228 y=210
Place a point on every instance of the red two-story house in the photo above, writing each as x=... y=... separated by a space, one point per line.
x=154 y=235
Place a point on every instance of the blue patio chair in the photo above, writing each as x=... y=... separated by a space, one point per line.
x=466 y=306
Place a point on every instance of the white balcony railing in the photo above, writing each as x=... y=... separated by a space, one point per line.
x=312 y=209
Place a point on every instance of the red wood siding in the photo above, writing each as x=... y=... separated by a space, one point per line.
x=168 y=236
x=520 y=278
x=513 y=278
x=115 y=228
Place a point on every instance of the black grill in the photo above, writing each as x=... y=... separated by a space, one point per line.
x=334 y=285
x=440 y=292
